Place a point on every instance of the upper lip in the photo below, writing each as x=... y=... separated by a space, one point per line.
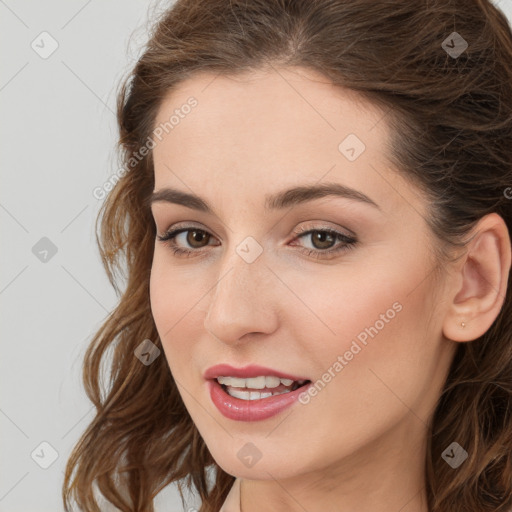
x=252 y=370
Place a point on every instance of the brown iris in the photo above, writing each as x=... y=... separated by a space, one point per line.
x=197 y=236
x=322 y=236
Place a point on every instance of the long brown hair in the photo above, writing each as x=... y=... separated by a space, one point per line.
x=451 y=123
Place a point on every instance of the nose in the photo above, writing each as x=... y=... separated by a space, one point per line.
x=243 y=301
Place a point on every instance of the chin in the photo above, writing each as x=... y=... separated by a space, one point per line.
x=275 y=466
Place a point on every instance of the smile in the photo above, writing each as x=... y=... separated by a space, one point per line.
x=241 y=403
x=256 y=388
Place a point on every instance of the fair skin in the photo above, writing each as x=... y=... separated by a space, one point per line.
x=360 y=444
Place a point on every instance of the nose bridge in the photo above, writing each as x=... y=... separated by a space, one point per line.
x=240 y=302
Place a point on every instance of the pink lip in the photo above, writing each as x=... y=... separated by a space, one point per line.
x=246 y=372
x=252 y=410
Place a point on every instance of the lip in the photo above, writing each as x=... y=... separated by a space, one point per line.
x=251 y=410
x=252 y=370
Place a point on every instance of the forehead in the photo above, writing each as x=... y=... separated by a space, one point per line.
x=282 y=107
x=269 y=130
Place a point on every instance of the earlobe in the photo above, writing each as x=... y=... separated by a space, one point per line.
x=481 y=281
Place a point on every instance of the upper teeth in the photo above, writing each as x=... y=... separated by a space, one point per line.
x=256 y=382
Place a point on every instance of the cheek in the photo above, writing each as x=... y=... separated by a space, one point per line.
x=383 y=289
x=175 y=302
x=175 y=291
x=372 y=334
x=348 y=303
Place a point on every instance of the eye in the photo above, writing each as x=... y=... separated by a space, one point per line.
x=322 y=240
x=195 y=237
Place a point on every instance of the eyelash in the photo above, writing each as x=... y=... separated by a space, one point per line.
x=348 y=242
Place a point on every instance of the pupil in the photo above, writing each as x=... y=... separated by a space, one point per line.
x=320 y=236
x=192 y=237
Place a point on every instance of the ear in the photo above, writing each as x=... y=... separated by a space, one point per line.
x=480 y=281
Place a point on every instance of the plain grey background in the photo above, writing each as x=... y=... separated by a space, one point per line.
x=61 y=62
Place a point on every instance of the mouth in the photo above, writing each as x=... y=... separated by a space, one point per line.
x=255 y=398
x=258 y=388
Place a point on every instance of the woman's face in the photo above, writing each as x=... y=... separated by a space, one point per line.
x=356 y=315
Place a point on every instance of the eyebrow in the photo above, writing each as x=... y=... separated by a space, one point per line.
x=278 y=201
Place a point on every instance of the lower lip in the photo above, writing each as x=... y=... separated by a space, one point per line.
x=252 y=410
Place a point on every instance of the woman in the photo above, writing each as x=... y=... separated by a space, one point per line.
x=315 y=219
